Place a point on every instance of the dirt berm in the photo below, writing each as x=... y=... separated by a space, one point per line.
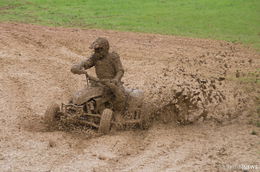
x=204 y=95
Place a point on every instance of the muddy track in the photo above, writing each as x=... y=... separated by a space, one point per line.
x=35 y=70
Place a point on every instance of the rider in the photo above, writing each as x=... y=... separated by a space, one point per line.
x=108 y=68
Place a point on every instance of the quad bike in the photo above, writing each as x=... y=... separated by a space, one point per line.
x=89 y=107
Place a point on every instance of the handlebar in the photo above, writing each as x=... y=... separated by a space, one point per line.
x=92 y=78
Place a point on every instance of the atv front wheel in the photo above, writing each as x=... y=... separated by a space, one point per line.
x=50 y=116
x=105 y=121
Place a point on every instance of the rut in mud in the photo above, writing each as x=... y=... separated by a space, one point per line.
x=211 y=84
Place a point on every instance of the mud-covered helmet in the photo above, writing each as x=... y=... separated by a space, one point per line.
x=100 y=45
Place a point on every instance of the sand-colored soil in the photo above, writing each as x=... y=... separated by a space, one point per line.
x=35 y=70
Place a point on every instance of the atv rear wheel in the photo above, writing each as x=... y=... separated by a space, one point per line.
x=50 y=116
x=105 y=121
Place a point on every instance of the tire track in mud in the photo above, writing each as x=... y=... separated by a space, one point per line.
x=179 y=149
x=23 y=91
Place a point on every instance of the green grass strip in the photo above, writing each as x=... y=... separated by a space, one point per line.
x=231 y=20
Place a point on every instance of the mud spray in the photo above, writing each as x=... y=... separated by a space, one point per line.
x=200 y=99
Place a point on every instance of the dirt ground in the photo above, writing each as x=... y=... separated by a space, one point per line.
x=221 y=134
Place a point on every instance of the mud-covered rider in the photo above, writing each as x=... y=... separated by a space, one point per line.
x=108 y=67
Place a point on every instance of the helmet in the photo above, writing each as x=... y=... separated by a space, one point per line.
x=100 y=43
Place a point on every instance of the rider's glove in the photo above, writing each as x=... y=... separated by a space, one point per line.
x=75 y=69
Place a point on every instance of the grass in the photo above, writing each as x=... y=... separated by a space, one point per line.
x=231 y=20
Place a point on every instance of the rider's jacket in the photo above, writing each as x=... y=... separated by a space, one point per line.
x=106 y=68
